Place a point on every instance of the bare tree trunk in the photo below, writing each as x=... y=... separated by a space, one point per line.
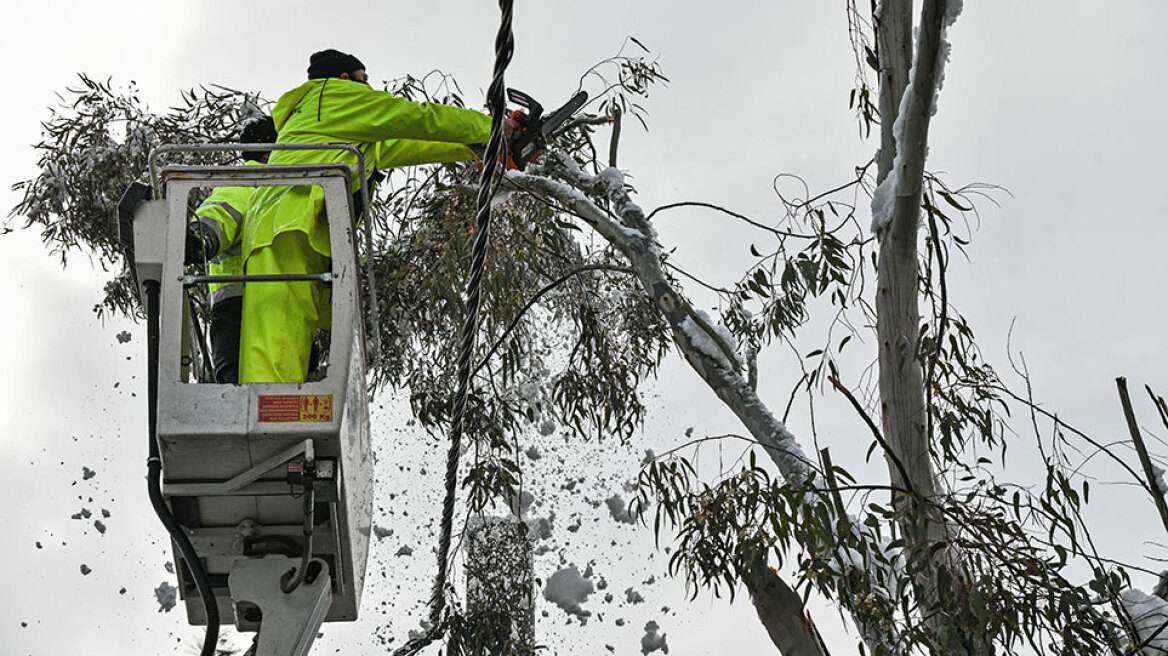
x=902 y=385
x=894 y=49
x=906 y=113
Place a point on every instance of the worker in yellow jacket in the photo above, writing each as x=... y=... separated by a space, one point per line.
x=286 y=231
x=214 y=237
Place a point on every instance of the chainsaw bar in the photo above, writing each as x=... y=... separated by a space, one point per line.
x=537 y=128
x=557 y=118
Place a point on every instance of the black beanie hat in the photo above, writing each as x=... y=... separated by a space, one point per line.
x=257 y=129
x=331 y=63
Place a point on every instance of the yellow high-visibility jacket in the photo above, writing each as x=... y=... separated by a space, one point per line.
x=390 y=132
x=223 y=214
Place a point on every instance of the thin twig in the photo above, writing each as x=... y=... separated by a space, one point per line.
x=1046 y=413
x=829 y=474
x=746 y=219
x=615 y=140
x=876 y=433
x=859 y=178
x=1142 y=449
x=1161 y=407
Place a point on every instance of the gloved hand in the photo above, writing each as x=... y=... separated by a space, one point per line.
x=201 y=244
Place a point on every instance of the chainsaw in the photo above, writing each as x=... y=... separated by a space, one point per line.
x=535 y=127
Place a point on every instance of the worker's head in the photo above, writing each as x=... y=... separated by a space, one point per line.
x=257 y=130
x=334 y=63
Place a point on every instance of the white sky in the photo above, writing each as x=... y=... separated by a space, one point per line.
x=1060 y=102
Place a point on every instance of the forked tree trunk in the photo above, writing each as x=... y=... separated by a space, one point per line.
x=907 y=106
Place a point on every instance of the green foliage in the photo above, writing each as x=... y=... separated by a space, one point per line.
x=748 y=519
x=864 y=47
x=566 y=336
x=93 y=145
x=627 y=80
x=1004 y=580
x=1012 y=588
x=963 y=390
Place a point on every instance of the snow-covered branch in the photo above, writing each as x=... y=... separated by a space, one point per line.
x=896 y=202
x=705 y=347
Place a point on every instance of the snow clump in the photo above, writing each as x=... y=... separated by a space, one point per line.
x=652 y=641
x=568 y=590
x=1158 y=473
x=1149 y=615
x=884 y=197
x=521 y=503
x=618 y=509
x=167 y=596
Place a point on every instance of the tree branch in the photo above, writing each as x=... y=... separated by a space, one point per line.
x=1146 y=462
x=780 y=609
x=614 y=141
x=888 y=451
x=632 y=235
x=743 y=218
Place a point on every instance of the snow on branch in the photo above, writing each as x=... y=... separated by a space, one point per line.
x=708 y=350
x=898 y=195
x=706 y=346
x=1149 y=616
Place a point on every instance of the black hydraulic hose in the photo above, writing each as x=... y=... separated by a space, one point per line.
x=154 y=475
x=294 y=577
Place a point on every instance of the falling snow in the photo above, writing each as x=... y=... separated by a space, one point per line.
x=568 y=590
x=167 y=596
x=653 y=641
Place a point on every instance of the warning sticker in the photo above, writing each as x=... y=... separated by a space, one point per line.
x=296 y=407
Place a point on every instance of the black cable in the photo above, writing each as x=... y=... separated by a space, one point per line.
x=496 y=101
x=154 y=476
x=287 y=582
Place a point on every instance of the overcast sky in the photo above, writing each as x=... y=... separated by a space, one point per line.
x=1059 y=101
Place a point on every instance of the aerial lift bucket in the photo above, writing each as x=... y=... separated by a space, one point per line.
x=272 y=483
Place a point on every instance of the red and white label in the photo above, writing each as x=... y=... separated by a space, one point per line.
x=295 y=407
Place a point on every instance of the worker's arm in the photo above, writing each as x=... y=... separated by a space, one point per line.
x=409 y=152
x=360 y=114
x=216 y=224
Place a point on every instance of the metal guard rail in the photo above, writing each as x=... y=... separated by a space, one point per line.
x=374 y=311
